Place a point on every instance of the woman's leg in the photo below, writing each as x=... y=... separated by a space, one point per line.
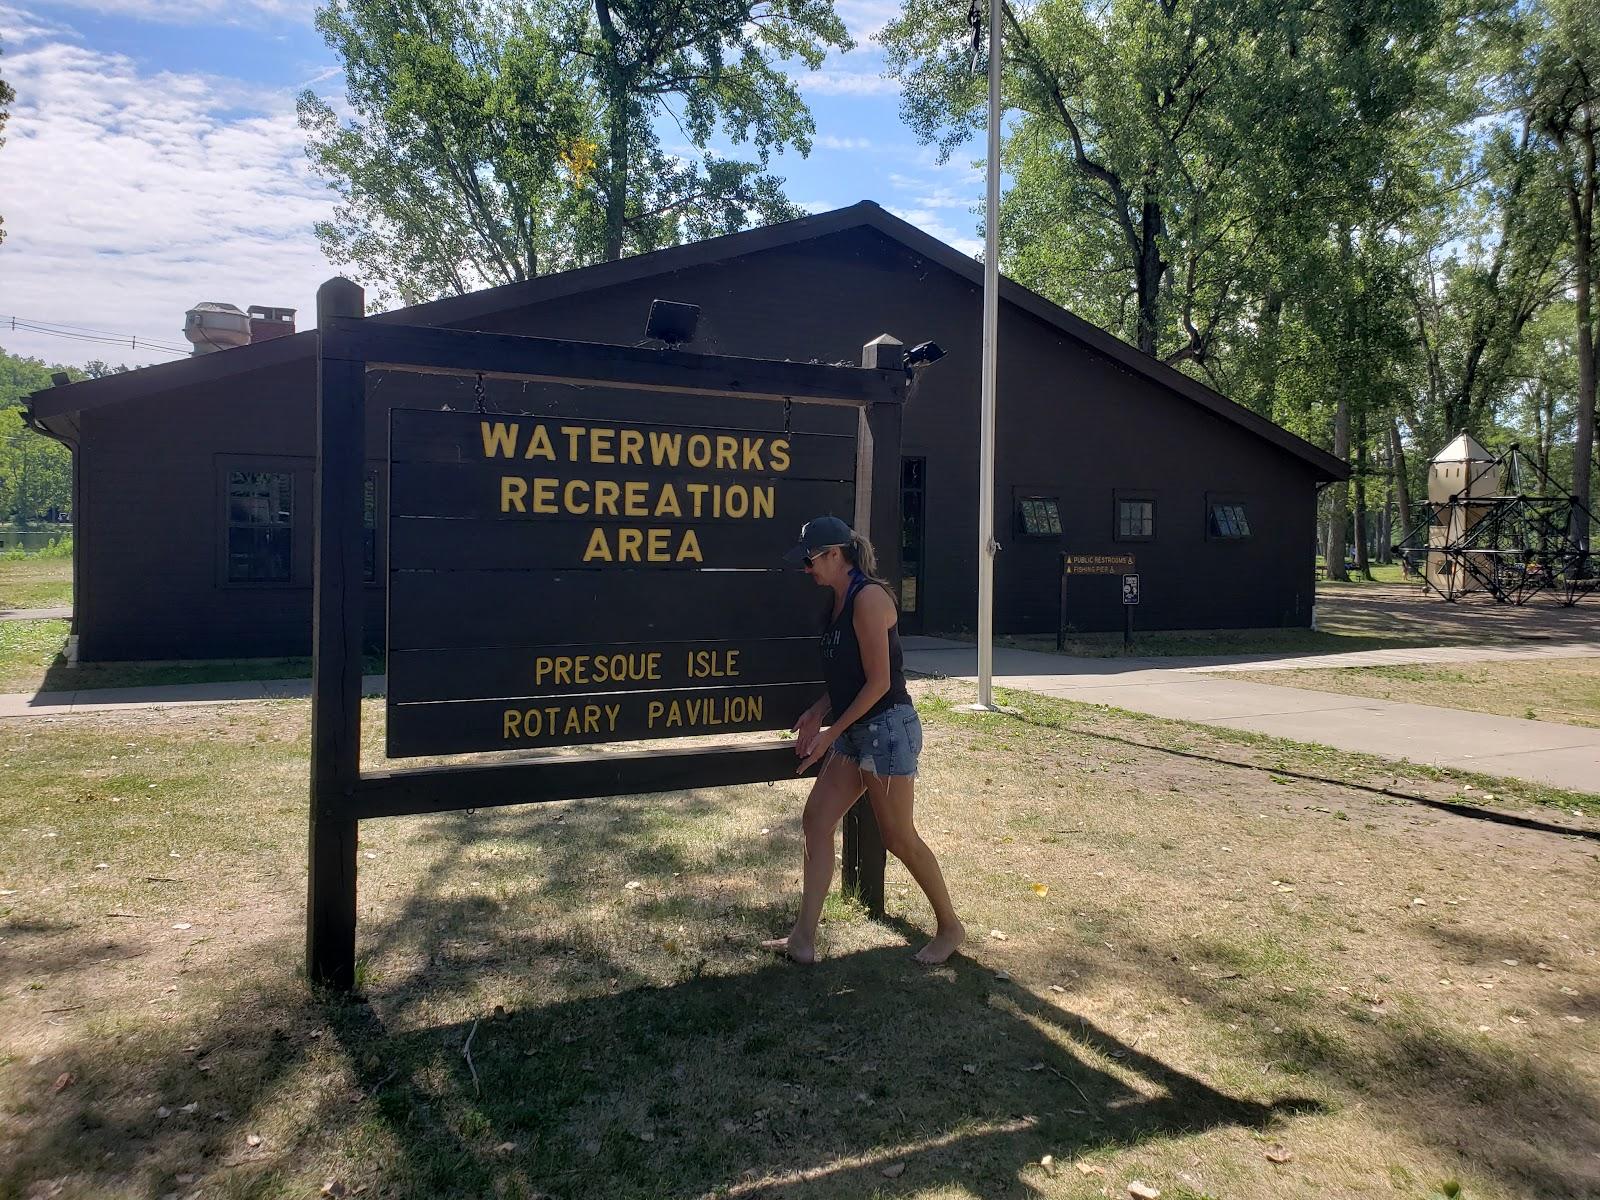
x=892 y=799
x=835 y=790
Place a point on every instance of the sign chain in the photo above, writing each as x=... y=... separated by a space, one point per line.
x=477 y=393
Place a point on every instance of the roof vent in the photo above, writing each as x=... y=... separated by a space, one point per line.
x=212 y=326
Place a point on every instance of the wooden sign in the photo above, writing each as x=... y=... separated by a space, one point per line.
x=557 y=581
x=1096 y=564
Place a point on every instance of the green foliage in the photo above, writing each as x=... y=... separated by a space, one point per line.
x=492 y=143
x=35 y=471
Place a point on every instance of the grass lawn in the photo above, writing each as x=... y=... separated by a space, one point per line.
x=35 y=582
x=1381 y=573
x=1254 y=980
x=1564 y=690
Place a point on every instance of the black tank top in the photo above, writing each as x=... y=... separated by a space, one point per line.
x=841 y=659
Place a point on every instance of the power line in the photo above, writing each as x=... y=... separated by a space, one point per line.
x=80 y=333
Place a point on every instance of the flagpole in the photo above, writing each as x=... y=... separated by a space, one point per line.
x=991 y=330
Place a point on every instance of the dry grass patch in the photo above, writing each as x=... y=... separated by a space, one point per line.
x=1563 y=690
x=1224 y=960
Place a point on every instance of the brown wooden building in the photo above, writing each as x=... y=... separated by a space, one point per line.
x=193 y=489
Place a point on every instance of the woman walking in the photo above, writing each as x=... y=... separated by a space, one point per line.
x=871 y=740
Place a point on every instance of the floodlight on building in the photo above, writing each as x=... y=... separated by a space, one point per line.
x=923 y=354
x=672 y=322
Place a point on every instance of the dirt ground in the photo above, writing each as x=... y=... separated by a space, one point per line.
x=1406 y=610
x=1212 y=964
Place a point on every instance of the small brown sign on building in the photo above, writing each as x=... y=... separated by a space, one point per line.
x=1096 y=564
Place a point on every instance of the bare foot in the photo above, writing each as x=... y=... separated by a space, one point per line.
x=795 y=951
x=943 y=945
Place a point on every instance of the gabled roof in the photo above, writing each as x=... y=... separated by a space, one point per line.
x=464 y=310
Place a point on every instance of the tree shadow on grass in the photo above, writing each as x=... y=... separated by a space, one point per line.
x=775 y=1080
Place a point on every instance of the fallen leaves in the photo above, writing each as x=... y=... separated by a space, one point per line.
x=1041 y=889
x=1140 y=1190
x=997 y=935
x=63 y=1081
x=1279 y=1154
x=1088 y=1168
x=894 y=1170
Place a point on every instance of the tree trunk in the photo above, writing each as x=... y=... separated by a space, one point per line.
x=1581 y=201
x=1148 y=281
x=1271 y=323
x=1363 y=567
x=616 y=81
x=1338 y=522
x=1402 y=486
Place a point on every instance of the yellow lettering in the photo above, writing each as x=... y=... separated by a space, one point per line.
x=542 y=666
x=653 y=665
x=738 y=500
x=752 y=453
x=733 y=663
x=605 y=497
x=697 y=491
x=573 y=432
x=699 y=450
x=512 y=490
x=727 y=453
x=574 y=723
x=665 y=447
x=569 y=493
x=598 y=546
x=499 y=439
x=689 y=548
x=628 y=542
x=634 y=494
x=630 y=443
x=512 y=726
x=657 y=548
x=674 y=714
x=780 y=454
x=611 y=716
x=667 y=502
x=600 y=445
x=764 y=501
x=544 y=495
x=591 y=718
x=539 y=444
x=564 y=669
x=652 y=711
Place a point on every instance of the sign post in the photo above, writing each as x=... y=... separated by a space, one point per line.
x=1087 y=564
x=1130 y=599
x=603 y=566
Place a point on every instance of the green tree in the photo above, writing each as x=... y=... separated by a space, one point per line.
x=35 y=471
x=490 y=143
x=1161 y=151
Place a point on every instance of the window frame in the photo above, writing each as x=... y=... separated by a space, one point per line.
x=299 y=473
x=1123 y=496
x=1229 y=500
x=1022 y=497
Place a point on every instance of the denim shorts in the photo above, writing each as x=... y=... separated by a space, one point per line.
x=885 y=744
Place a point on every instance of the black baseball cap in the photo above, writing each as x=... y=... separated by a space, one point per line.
x=818 y=534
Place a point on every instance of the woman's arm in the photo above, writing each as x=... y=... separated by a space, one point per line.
x=874 y=616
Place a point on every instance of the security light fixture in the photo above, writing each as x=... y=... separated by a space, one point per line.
x=924 y=354
x=672 y=322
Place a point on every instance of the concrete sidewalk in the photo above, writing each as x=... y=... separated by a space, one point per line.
x=35 y=614
x=1187 y=689
x=1566 y=756
x=175 y=695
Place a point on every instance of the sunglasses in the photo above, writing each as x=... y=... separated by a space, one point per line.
x=811 y=558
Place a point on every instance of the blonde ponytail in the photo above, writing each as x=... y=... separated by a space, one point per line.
x=860 y=555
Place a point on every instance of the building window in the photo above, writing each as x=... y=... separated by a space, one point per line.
x=369 y=530
x=1227 y=522
x=260 y=526
x=1040 y=516
x=1136 y=520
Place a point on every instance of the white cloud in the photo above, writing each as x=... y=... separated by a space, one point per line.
x=129 y=196
x=865 y=18
x=932 y=223
x=184 y=12
x=830 y=81
x=827 y=141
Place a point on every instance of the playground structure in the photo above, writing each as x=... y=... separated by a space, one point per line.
x=1499 y=524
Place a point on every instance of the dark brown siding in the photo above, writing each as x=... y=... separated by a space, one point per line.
x=1071 y=424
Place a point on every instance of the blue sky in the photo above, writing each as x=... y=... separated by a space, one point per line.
x=153 y=161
